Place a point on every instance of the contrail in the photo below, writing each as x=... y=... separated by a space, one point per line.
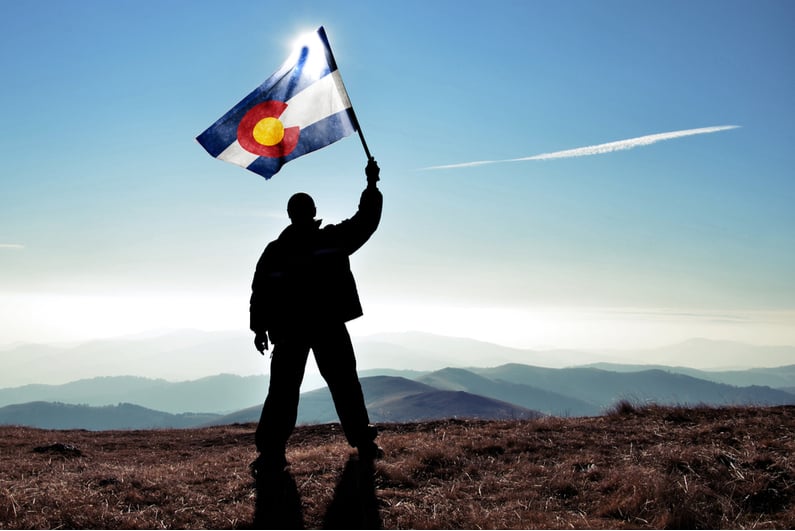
x=598 y=149
x=11 y=246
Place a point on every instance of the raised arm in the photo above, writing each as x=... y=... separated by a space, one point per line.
x=354 y=232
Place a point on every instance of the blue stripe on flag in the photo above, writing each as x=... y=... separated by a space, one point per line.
x=321 y=32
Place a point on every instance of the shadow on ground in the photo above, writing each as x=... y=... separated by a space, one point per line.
x=354 y=505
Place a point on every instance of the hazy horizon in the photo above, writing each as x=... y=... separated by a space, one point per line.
x=364 y=334
x=81 y=318
x=182 y=355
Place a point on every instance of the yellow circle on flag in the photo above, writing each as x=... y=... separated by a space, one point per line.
x=269 y=131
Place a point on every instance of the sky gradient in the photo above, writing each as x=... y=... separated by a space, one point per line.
x=113 y=220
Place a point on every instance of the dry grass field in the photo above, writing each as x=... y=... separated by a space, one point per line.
x=636 y=467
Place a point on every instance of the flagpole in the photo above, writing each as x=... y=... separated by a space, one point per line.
x=361 y=135
x=322 y=32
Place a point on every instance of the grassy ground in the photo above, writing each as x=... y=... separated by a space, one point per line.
x=648 y=467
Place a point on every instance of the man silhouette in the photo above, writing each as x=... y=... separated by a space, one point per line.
x=302 y=295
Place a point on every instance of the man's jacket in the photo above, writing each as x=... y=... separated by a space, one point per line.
x=304 y=278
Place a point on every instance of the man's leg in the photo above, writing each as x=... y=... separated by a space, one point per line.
x=337 y=364
x=280 y=411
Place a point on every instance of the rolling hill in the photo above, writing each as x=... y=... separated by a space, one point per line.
x=389 y=399
x=190 y=355
x=603 y=388
x=504 y=392
x=549 y=402
x=776 y=377
x=57 y=416
x=223 y=393
x=396 y=399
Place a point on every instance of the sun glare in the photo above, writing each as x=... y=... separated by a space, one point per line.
x=67 y=317
x=308 y=43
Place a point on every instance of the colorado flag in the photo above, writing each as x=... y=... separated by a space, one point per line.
x=302 y=107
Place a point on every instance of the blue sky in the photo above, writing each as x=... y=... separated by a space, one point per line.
x=113 y=220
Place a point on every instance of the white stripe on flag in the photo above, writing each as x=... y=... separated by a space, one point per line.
x=235 y=154
x=319 y=100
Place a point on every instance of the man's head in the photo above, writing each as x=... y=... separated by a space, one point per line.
x=301 y=208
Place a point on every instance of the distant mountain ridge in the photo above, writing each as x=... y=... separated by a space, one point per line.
x=775 y=377
x=446 y=379
x=569 y=391
x=508 y=391
x=546 y=401
x=223 y=393
x=57 y=416
x=191 y=354
x=602 y=388
x=389 y=399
